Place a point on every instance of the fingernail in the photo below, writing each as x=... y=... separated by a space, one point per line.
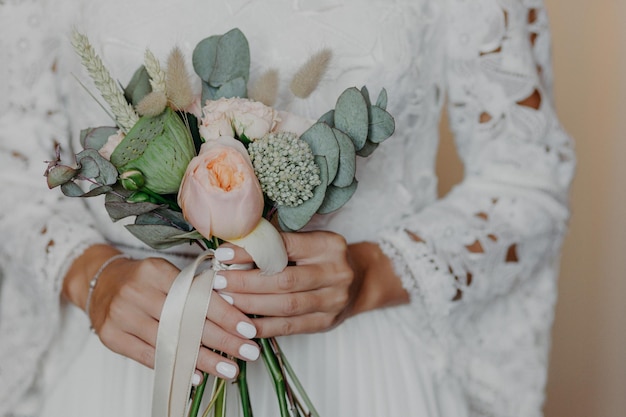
x=219 y=283
x=226 y=369
x=196 y=379
x=224 y=254
x=246 y=329
x=228 y=298
x=249 y=352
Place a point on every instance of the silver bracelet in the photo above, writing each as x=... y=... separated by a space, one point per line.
x=96 y=277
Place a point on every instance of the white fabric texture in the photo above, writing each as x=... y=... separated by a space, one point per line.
x=480 y=264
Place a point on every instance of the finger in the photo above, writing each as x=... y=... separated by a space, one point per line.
x=292 y=304
x=230 y=319
x=215 y=364
x=311 y=247
x=216 y=338
x=128 y=345
x=138 y=323
x=151 y=301
x=291 y=279
x=284 y=326
x=232 y=254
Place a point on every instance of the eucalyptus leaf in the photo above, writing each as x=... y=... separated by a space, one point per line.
x=138 y=87
x=322 y=141
x=336 y=197
x=381 y=126
x=368 y=149
x=107 y=173
x=219 y=59
x=89 y=168
x=96 y=137
x=382 y=99
x=59 y=175
x=166 y=217
x=156 y=236
x=233 y=88
x=328 y=118
x=71 y=189
x=295 y=218
x=351 y=116
x=119 y=209
x=347 y=160
x=366 y=96
x=97 y=190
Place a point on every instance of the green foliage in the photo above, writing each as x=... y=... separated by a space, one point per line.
x=162 y=228
x=223 y=64
x=354 y=127
x=295 y=218
x=138 y=87
x=96 y=137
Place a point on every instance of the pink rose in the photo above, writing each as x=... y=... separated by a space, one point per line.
x=228 y=116
x=220 y=194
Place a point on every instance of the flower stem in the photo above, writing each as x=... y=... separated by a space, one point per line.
x=244 y=394
x=161 y=199
x=197 y=396
x=294 y=379
x=269 y=357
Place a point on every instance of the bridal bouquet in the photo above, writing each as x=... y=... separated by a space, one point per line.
x=223 y=165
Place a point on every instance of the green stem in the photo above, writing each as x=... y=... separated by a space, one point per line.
x=242 y=383
x=312 y=411
x=220 y=401
x=161 y=199
x=217 y=392
x=197 y=396
x=269 y=357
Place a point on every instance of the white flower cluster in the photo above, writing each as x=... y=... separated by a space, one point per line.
x=285 y=168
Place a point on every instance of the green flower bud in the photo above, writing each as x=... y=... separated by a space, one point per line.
x=139 y=197
x=132 y=180
x=160 y=148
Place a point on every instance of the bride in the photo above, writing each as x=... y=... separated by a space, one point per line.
x=400 y=304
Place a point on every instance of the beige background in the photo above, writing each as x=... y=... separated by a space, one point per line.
x=588 y=362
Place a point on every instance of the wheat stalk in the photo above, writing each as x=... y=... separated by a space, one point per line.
x=124 y=114
x=157 y=75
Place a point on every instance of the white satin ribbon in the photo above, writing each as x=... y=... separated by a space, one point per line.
x=179 y=338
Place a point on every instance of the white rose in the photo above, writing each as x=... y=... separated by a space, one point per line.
x=229 y=116
x=112 y=142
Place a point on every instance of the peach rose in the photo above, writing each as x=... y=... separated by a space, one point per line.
x=229 y=116
x=220 y=194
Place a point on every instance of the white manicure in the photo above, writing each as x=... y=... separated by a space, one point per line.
x=249 y=352
x=224 y=254
x=196 y=379
x=219 y=283
x=228 y=298
x=246 y=329
x=226 y=369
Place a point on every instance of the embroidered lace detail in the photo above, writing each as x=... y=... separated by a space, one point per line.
x=482 y=260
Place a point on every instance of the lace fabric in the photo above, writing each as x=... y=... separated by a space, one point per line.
x=480 y=264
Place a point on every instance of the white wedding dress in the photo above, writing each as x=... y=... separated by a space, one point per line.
x=480 y=264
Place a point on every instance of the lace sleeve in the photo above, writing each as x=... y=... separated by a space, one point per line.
x=42 y=231
x=481 y=263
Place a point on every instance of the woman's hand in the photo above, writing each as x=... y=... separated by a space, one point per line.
x=126 y=306
x=326 y=282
